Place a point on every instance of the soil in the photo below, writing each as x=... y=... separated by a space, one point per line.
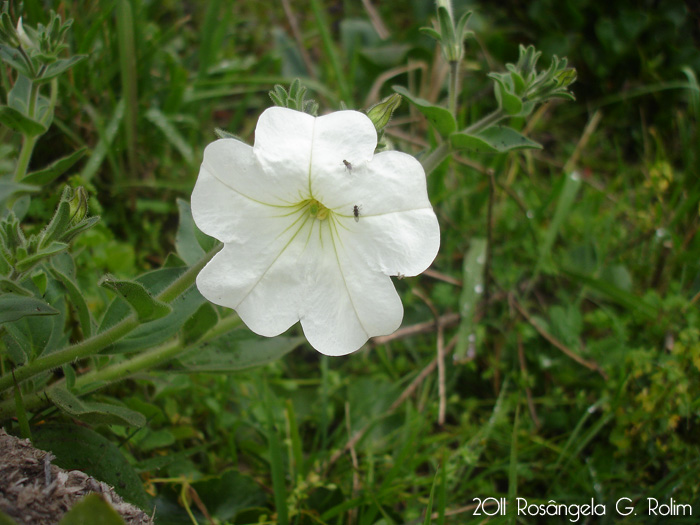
x=33 y=491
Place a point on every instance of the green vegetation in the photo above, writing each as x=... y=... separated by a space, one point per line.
x=565 y=361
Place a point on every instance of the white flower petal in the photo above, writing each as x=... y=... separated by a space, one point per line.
x=220 y=211
x=283 y=143
x=397 y=230
x=341 y=136
x=346 y=303
x=236 y=165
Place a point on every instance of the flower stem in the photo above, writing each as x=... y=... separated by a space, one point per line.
x=453 y=87
x=28 y=142
x=486 y=122
x=98 y=342
x=435 y=157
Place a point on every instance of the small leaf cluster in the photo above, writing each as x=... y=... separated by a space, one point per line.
x=522 y=87
x=19 y=254
x=34 y=52
x=295 y=98
x=451 y=36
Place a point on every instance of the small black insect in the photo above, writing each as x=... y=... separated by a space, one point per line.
x=356 y=212
x=347 y=165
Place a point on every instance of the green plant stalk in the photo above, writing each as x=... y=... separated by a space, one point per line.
x=96 y=343
x=28 y=142
x=453 y=88
x=489 y=120
x=435 y=157
x=439 y=154
x=97 y=379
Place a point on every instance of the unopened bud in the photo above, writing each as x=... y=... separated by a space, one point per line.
x=380 y=114
x=78 y=205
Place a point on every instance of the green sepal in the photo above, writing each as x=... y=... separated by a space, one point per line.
x=497 y=139
x=146 y=307
x=381 y=112
x=92 y=412
x=54 y=170
x=14 y=307
x=439 y=117
x=92 y=509
x=21 y=123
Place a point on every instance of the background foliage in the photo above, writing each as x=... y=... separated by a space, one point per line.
x=593 y=253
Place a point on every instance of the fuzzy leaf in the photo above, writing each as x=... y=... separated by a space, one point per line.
x=14 y=307
x=238 y=350
x=438 y=116
x=54 y=170
x=147 y=308
x=21 y=123
x=498 y=139
x=94 y=413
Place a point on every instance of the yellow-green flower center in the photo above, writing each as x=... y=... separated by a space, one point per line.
x=317 y=210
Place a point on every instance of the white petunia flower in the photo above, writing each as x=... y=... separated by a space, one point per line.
x=313 y=224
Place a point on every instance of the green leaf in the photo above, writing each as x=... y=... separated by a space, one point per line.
x=90 y=510
x=237 y=350
x=52 y=249
x=472 y=288
x=103 y=145
x=160 y=330
x=78 y=447
x=439 y=117
x=204 y=319
x=7 y=285
x=13 y=57
x=510 y=103
x=147 y=308
x=19 y=122
x=77 y=300
x=92 y=412
x=163 y=123
x=54 y=170
x=498 y=139
x=60 y=66
x=14 y=307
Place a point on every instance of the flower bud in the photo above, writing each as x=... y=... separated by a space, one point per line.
x=380 y=114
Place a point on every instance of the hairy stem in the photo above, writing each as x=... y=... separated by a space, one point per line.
x=98 y=342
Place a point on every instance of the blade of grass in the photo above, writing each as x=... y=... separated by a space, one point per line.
x=276 y=462
x=104 y=145
x=472 y=290
x=572 y=183
x=330 y=51
x=127 y=65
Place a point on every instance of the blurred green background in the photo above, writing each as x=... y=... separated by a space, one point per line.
x=603 y=265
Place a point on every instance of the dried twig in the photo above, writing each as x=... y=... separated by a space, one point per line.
x=554 y=341
x=442 y=391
